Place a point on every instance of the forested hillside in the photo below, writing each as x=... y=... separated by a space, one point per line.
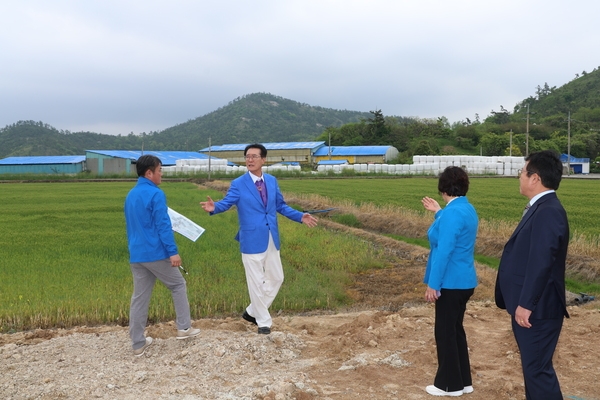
x=544 y=121
x=258 y=117
x=31 y=138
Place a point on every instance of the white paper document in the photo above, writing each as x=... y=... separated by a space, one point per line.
x=185 y=226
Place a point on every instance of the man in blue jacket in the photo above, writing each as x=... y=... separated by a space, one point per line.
x=258 y=200
x=152 y=254
x=531 y=276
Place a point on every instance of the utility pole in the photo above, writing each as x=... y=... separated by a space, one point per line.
x=209 y=158
x=527 y=134
x=329 y=144
x=569 y=144
x=510 y=148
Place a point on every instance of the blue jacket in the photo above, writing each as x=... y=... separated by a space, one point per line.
x=149 y=231
x=256 y=220
x=452 y=240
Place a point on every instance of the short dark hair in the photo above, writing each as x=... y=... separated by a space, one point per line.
x=454 y=181
x=145 y=163
x=547 y=165
x=263 y=150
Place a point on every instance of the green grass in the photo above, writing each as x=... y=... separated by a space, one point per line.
x=65 y=261
x=493 y=198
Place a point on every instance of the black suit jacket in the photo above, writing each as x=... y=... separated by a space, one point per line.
x=532 y=268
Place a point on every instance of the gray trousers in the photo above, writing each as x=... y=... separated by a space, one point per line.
x=144 y=277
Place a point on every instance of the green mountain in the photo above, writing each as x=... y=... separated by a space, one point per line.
x=258 y=117
x=565 y=119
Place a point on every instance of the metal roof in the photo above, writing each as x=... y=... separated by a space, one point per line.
x=166 y=157
x=268 y=146
x=332 y=162
x=565 y=158
x=353 y=150
x=42 y=160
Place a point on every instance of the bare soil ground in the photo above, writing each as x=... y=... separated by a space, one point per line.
x=381 y=348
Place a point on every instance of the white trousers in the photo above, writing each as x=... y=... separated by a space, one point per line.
x=264 y=276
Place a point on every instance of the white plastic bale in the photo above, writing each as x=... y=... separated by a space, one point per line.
x=385 y=168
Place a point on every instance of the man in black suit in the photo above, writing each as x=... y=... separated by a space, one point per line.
x=531 y=278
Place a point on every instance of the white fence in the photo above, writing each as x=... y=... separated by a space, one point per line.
x=433 y=165
x=198 y=165
x=422 y=165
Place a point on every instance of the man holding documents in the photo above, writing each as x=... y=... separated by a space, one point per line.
x=152 y=254
x=258 y=200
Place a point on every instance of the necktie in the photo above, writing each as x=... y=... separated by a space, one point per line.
x=262 y=189
x=526 y=209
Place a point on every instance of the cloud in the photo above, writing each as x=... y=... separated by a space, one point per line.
x=124 y=66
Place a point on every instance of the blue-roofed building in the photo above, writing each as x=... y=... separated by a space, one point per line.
x=301 y=152
x=42 y=165
x=357 y=154
x=123 y=161
x=577 y=165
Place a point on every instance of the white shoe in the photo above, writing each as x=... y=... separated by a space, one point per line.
x=187 y=333
x=141 y=350
x=468 y=389
x=432 y=390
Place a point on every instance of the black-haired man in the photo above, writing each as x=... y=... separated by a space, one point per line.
x=152 y=254
x=531 y=277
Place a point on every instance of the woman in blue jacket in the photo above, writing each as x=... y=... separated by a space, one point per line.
x=451 y=279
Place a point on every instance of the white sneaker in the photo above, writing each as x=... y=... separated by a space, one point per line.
x=468 y=389
x=432 y=390
x=187 y=333
x=141 y=350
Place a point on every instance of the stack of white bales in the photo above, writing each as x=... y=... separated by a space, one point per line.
x=498 y=165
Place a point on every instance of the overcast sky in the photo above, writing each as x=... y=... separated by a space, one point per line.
x=119 y=66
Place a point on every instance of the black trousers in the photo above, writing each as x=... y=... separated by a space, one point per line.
x=454 y=368
x=537 y=345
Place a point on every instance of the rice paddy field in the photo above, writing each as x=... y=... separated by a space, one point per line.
x=495 y=199
x=65 y=262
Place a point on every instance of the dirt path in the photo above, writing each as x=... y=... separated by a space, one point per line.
x=355 y=355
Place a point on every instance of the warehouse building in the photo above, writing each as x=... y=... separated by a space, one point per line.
x=301 y=152
x=576 y=165
x=42 y=165
x=123 y=161
x=357 y=154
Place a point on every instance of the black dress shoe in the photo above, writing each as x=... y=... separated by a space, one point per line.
x=249 y=318
x=264 y=330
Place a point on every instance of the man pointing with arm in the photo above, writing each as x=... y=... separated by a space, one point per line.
x=258 y=200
